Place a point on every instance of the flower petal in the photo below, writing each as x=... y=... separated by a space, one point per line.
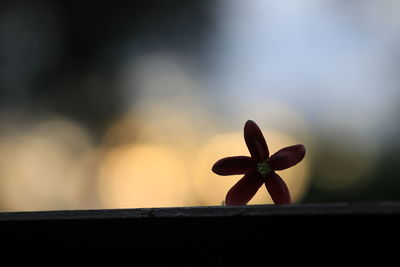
x=255 y=141
x=244 y=190
x=277 y=189
x=234 y=165
x=287 y=157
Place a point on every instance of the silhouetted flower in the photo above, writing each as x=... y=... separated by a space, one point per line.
x=259 y=169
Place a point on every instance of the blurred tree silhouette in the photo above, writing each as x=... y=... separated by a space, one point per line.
x=60 y=56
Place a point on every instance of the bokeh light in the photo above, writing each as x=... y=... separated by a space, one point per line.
x=142 y=175
x=41 y=168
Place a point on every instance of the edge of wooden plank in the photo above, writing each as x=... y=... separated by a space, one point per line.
x=377 y=208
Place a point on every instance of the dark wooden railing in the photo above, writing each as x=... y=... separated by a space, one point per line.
x=189 y=229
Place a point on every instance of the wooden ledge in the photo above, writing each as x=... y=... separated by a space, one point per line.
x=163 y=229
x=380 y=208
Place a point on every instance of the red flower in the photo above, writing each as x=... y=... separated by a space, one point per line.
x=259 y=169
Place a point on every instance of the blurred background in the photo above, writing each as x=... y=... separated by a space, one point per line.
x=125 y=104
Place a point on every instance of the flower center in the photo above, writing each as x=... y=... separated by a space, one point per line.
x=263 y=168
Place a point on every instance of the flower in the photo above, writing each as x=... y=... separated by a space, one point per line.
x=258 y=169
